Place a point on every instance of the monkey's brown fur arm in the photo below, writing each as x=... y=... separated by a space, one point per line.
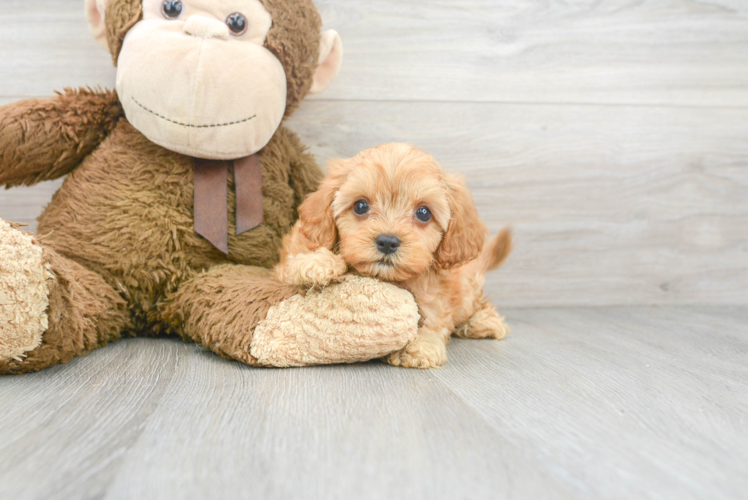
x=43 y=139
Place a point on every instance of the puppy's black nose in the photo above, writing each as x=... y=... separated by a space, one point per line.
x=387 y=243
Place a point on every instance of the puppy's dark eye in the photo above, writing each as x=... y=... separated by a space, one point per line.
x=237 y=24
x=423 y=214
x=361 y=207
x=172 y=9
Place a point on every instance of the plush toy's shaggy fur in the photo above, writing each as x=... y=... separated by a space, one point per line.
x=117 y=253
x=44 y=139
x=122 y=223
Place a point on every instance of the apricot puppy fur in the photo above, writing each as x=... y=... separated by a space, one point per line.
x=392 y=213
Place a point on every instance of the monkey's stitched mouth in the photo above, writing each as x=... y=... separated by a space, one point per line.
x=190 y=125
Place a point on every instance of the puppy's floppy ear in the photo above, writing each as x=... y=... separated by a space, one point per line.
x=316 y=220
x=466 y=233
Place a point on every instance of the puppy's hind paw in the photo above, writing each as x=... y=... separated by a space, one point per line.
x=423 y=353
x=484 y=324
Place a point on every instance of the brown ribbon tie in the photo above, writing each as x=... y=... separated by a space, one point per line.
x=211 y=203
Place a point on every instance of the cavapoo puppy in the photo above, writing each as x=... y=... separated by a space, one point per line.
x=392 y=213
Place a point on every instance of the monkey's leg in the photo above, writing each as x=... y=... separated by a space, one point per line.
x=51 y=308
x=220 y=308
x=242 y=313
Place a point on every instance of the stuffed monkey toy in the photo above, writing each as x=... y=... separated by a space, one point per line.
x=180 y=186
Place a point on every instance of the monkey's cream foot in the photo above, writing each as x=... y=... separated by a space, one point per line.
x=24 y=293
x=318 y=268
x=427 y=351
x=356 y=320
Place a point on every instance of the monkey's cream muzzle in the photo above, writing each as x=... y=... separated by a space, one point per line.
x=204 y=27
x=193 y=88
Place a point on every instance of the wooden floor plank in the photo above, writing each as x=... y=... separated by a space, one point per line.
x=622 y=51
x=575 y=403
x=333 y=432
x=629 y=403
x=61 y=53
x=64 y=431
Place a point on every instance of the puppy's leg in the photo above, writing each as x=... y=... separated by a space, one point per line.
x=429 y=350
x=485 y=323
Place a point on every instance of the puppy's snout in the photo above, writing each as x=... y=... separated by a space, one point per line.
x=387 y=243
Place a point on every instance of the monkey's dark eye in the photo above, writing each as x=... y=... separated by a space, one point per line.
x=237 y=24
x=172 y=9
x=361 y=207
x=423 y=214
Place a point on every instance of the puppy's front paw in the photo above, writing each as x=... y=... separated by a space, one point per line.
x=318 y=268
x=425 y=352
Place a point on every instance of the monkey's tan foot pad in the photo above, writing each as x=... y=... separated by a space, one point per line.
x=357 y=320
x=24 y=292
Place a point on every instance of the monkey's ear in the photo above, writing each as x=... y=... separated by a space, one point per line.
x=110 y=20
x=95 y=10
x=330 y=59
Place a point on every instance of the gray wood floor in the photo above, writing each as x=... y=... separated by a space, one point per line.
x=612 y=134
x=577 y=403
